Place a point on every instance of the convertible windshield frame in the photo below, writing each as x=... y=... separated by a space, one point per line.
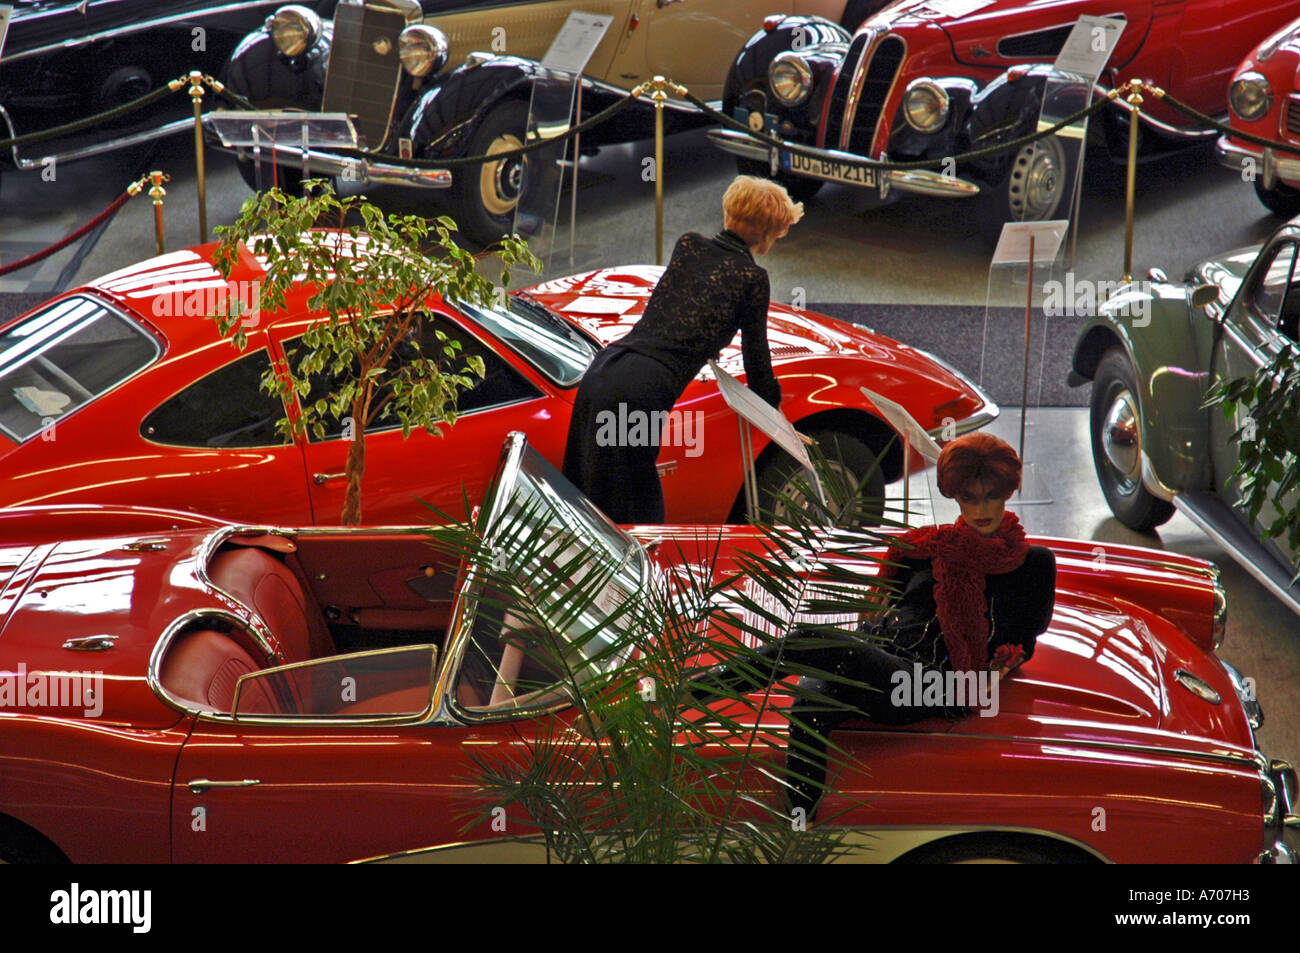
x=528 y=485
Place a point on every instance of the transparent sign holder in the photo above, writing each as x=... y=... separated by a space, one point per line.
x=918 y=509
x=262 y=133
x=753 y=411
x=556 y=99
x=1020 y=274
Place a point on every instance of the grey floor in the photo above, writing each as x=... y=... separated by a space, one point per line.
x=846 y=252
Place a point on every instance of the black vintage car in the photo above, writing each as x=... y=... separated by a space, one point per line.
x=386 y=63
x=63 y=61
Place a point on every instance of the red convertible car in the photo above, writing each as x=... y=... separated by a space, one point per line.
x=1265 y=101
x=170 y=688
x=123 y=393
x=930 y=80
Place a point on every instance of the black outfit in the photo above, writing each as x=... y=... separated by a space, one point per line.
x=710 y=289
x=1019 y=609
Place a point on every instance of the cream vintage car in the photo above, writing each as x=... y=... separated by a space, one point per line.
x=383 y=62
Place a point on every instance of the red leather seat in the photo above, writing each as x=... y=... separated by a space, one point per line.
x=269 y=587
x=201 y=669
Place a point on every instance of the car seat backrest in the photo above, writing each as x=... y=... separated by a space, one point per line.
x=270 y=588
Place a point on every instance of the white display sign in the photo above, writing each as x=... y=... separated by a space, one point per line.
x=6 y=14
x=957 y=8
x=1089 y=46
x=576 y=41
x=588 y=304
x=762 y=415
x=1014 y=243
x=898 y=418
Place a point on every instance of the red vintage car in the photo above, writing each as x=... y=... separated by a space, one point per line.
x=931 y=80
x=170 y=691
x=121 y=392
x=1265 y=101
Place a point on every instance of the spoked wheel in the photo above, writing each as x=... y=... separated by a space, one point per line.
x=1116 y=426
x=851 y=460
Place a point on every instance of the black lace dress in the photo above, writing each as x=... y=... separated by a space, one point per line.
x=710 y=290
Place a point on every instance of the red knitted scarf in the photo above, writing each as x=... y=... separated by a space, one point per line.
x=961 y=559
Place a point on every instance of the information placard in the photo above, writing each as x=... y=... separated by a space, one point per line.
x=576 y=41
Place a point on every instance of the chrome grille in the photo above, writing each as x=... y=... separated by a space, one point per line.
x=1293 y=117
x=877 y=76
x=840 y=91
x=364 y=69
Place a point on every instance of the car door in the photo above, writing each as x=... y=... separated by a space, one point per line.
x=327 y=762
x=1261 y=320
x=692 y=42
x=403 y=473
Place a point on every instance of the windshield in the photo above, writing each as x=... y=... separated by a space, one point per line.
x=543 y=339
x=550 y=602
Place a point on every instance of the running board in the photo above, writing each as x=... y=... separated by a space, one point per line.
x=1218 y=521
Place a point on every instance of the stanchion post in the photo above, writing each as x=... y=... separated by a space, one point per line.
x=156 y=192
x=196 y=96
x=1134 y=100
x=659 y=97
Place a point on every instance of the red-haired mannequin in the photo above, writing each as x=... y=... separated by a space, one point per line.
x=970 y=596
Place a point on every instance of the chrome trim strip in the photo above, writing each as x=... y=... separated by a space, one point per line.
x=1252 y=760
x=365 y=171
x=153 y=672
x=1288 y=598
x=851 y=106
x=134 y=28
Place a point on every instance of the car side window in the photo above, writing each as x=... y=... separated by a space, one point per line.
x=64 y=357
x=1270 y=299
x=227 y=408
x=501 y=383
x=382 y=683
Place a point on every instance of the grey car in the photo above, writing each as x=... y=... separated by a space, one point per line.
x=1152 y=351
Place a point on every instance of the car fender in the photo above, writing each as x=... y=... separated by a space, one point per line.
x=822 y=42
x=1007 y=108
x=259 y=72
x=1151 y=324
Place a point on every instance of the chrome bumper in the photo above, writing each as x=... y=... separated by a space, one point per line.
x=986 y=415
x=1281 y=823
x=362 y=171
x=1265 y=163
x=917 y=181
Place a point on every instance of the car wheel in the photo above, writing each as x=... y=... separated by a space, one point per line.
x=1280 y=199
x=986 y=849
x=1116 y=426
x=484 y=202
x=1036 y=188
x=779 y=475
x=19 y=844
x=800 y=189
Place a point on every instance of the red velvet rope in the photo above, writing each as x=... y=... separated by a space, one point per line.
x=62 y=243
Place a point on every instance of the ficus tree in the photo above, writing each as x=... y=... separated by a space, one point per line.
x=1266 y=406
x=371 y=276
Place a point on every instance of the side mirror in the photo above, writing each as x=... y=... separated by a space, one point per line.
x=1203 y=295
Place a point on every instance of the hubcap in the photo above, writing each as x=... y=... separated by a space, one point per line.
x=500 y=183
x=1037 y=180
x=1121 y=440
x=792 y=491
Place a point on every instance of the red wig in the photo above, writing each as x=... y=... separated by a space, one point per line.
x=978 y=458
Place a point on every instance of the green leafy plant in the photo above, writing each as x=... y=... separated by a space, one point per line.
x=625 y=761
x=1268 y=441
x=373 y=276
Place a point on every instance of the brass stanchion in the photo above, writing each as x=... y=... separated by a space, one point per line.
x=1135 y=102
x=156 y=192
x=659 y=96
x=196 y=96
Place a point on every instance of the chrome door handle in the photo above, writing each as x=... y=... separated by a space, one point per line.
x=320 y=479
x=199 y=785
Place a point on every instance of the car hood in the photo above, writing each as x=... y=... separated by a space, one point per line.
x=1104 y=672
x=608 y=302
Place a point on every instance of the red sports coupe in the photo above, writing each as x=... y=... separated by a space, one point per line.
x=122 y=392
x=170 y=691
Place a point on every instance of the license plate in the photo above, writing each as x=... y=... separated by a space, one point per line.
x=829 y=170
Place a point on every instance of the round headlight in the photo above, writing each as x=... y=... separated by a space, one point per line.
x=791 y=79
x=925 y=105
x=1250 y=96
x=295 y=29
x=422 y=49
